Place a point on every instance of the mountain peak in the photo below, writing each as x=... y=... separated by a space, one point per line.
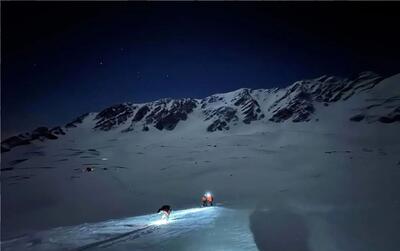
x=221 y=112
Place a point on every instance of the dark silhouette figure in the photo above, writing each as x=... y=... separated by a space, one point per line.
x=166 y=208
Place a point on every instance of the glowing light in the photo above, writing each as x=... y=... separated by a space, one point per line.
x=177 y=216
x=159 y=222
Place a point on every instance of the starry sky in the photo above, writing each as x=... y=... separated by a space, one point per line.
x=60 y=60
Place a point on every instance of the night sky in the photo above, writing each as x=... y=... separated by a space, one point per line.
x=60 y=60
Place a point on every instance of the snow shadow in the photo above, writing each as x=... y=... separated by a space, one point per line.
x=279 y=231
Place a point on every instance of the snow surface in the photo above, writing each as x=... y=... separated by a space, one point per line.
x=190 y=229
x=325 y=185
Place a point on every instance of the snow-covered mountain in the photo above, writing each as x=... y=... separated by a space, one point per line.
x=369 y=98
x=318 y=157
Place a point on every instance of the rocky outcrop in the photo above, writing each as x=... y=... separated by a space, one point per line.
x=391 y=117
x=220 y=112
x=57 y=131
x=14 y=141
x=248 y=106
x=298 y=102
x=114 y=116
x=40 y=133
x=168 y=117
x=385 y=111
x=162 y=114
x=357 y=118
x=141 y=113
x=221 y=118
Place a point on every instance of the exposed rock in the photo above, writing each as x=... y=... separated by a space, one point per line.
x=113 y=116
x=298 y=102
x=14 y=141
x=40 y=133
x=249 y=106
x=57 y=131
x=222 y=116
x=381 y=110
x=141 y=113
x=357 y=117
x=395 y=118
x=218 y=125
x=299 y=107
x=169 y=118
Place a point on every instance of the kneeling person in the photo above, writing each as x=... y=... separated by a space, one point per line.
x=165 y=211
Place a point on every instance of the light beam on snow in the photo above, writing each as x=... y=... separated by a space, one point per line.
x=117 y=233
x=160 y=222
x=182 y=214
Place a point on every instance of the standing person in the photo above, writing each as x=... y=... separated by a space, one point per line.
x=204 y=200
x=210 y=199
x=207 y=199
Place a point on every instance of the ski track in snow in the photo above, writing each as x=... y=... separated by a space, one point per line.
x=194 y=226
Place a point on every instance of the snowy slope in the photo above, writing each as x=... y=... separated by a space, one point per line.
x=298 y=102
x=192 y=227
x=323 y=175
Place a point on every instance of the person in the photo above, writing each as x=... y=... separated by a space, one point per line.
x=204 y=200
x=210 y=199
x=165 y=210
x=207 y=199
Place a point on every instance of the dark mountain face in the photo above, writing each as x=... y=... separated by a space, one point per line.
x=168 y=118
x=220 y=112
x=298 y=102
x=249 y=106
x=40 y=133
x=113 y=116
x=221 y=116
x=162 y=114
x=141 y=113
x=297 y=105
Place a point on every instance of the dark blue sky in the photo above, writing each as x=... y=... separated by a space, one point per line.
x=60 y=60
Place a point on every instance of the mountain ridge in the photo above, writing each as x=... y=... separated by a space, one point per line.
x=296 y=103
